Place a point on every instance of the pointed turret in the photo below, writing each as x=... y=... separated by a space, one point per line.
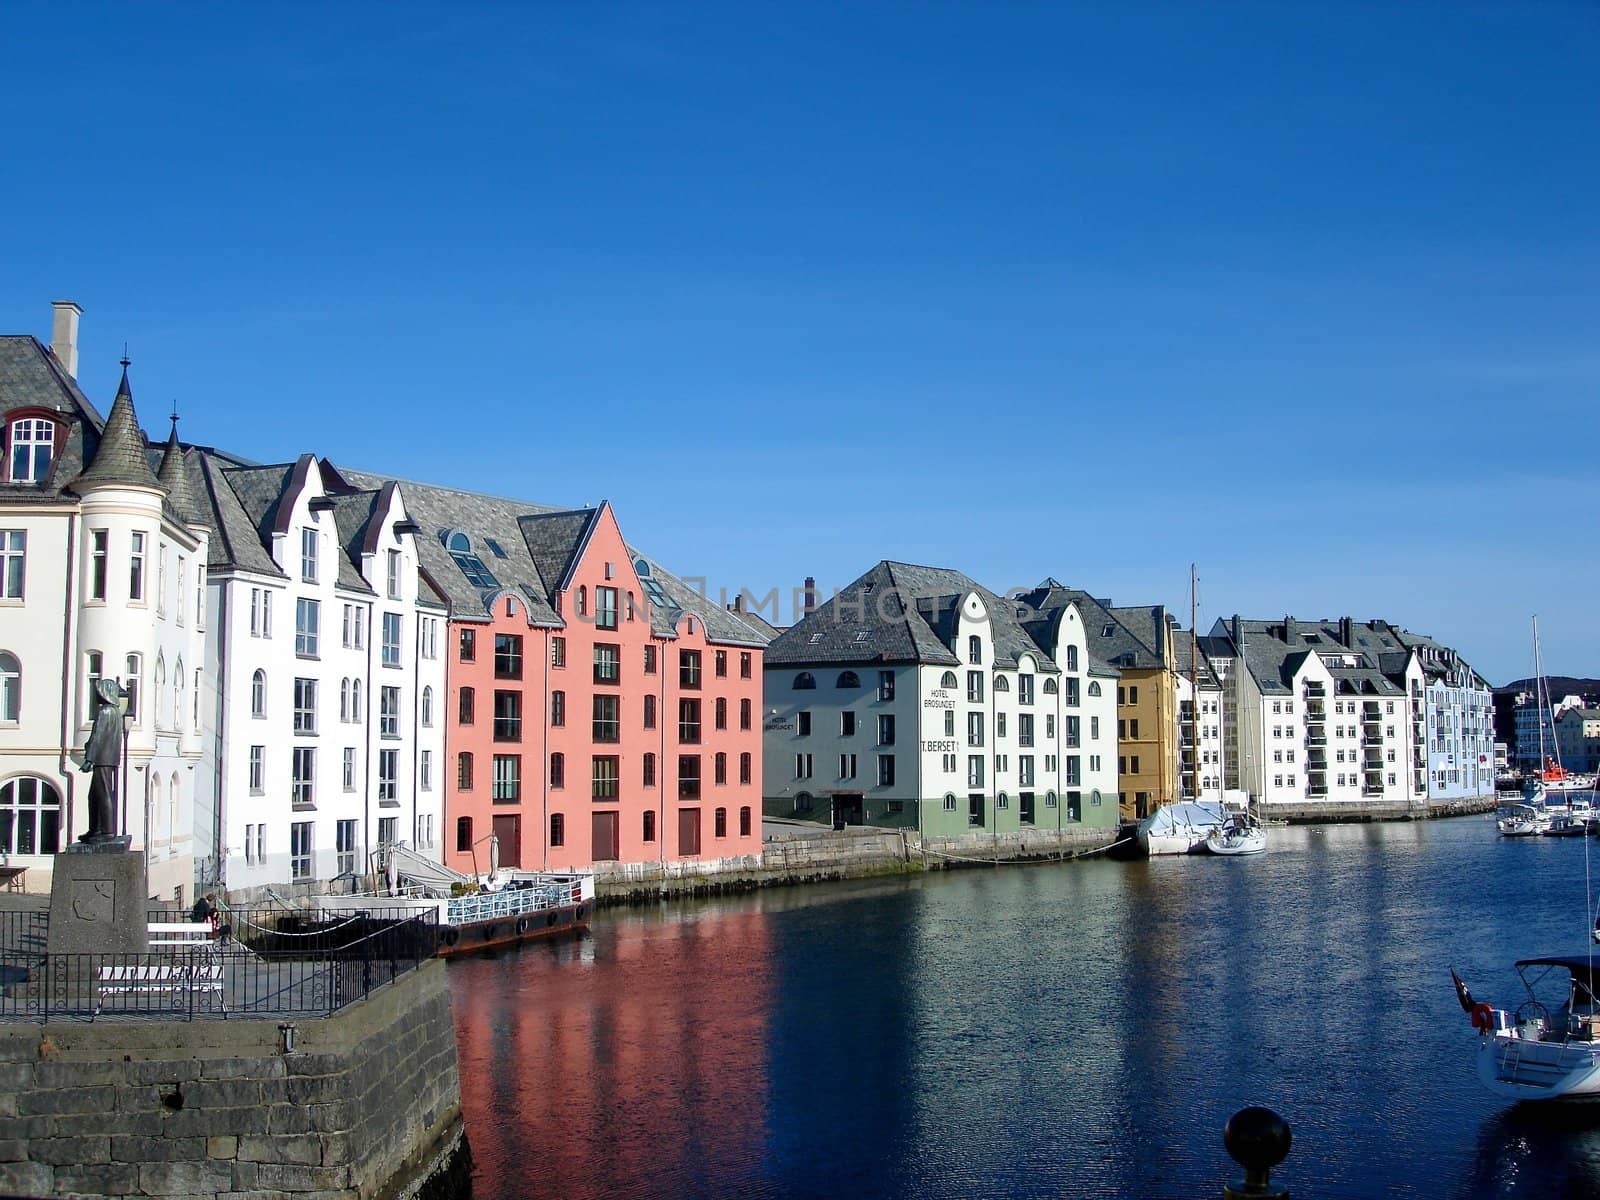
x=120 y=456
x=174 y=476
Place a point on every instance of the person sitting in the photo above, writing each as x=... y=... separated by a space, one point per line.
x=205 y=912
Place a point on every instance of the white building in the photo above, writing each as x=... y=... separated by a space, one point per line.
x=916 y=698
x=1202 y=752
x=1532 y=741
x=1332 y=712
x=326 y=729
x=101 y=576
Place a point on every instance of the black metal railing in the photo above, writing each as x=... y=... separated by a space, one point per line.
x=271 y=962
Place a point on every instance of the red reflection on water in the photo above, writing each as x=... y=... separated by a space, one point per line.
x=634 y=1062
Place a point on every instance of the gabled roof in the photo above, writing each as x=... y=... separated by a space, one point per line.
x=902 y=612
x=31 y=378
x=556 y=541
x=235 y=541
x=720 y=625
x=1107 y=632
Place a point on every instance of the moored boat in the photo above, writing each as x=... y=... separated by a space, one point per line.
x=1548 y=1048
x=1238 y=834
x=1179 y=828
x=1522 y=820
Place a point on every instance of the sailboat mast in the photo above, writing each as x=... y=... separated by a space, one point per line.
x=1194 y=690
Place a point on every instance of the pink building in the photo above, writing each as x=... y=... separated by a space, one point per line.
x=599 y=709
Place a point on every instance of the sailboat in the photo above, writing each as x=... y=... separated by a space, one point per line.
x=1548 y=1047
x=1536 y=815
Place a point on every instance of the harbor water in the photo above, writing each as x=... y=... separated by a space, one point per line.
x=1069 y=1030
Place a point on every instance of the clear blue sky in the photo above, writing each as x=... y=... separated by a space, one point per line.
x=1305 y=294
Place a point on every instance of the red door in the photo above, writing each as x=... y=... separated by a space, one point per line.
x=508 y=832
x=606 y=846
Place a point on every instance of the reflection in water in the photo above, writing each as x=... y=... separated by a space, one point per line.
x=1080 y=1030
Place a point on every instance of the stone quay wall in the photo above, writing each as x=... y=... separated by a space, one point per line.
x=829 y=855
x=367 y=1105
x=1357 y=811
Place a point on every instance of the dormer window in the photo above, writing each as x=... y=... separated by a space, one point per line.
x=33 y=447
x=459 y=546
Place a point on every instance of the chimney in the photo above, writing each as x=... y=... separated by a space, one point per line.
x=64 y=335
x=1347 y=631
x=810 y=600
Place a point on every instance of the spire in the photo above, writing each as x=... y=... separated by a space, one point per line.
x=174 y=477
x=120 y=457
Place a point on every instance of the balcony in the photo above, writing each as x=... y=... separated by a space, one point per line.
x=1315 y=737
x=1315 y=688
x=1316 y=790
x=1315 y=710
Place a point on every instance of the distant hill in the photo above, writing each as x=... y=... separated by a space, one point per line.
x=1558 y=686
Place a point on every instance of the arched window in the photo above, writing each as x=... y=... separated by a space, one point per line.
x=630 y=606
x=583 y=601
x=155 y=810
x=459 y=546
x=949 y=680
x=1051 y=687
x=30 y=817
x=720 y=765
x=134 y=670
x=355 y=701
x=161 y=684
x=847 y=679
x=463 y=834
x=10 y=688
x=1001 y=684
x=172 y=805
x=1094 y=688
x=344 y=699
x=975 y=649
x=805 y=682
x=744 y=768
x=258 y=694
x=1072 y=658
x=178 y=684
x=195 y=717
x=427 y=707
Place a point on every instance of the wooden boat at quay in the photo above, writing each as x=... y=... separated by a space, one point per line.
x=501 y=908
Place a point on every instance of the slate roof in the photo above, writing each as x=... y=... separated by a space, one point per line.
x=721 y=625
x=556 y=540
x=1112 y=635
x=902 y=612
x=1273 y=651
x=122 y=454
x=235 y=541
x=30 y=377
x=1205 y=677
x=756 y=622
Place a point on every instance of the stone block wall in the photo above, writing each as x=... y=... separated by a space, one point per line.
x=366 y=1105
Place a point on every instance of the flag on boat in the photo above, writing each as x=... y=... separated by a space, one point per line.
x=1463 y=992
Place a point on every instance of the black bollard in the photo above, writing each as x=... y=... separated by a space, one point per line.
x=1257 y=1139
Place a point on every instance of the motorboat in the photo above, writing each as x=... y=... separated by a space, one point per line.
x=1567 y=825
x=1180 y=828
x=1548 y=1048
x=1238 y=834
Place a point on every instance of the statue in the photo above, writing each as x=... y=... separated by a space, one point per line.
x=102 y=754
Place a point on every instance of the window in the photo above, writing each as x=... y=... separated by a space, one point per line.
x=469 y=645
x=744 y=664
x=10 y=688
x=428 y=637
x=950 y=802
x=427 y=708
x=258 y=694
x=388 y=773
x=344 y=701
x=886 y=730
x=744 y=714
x=303 y=774
x=975 y=687
x=847 y=766
x=300 y=850
x=30 y=817
x=1072 y=658
x=1025 y=729
x=649 y=826
x=607 y=723
x=605 y=608
x=507 y=782
x=98 y=540
x=719 y=823
x=136 y=568
x=744 y=768
x=744 y=821
x=349 y=627
x=464 y=771
x=688 y=777
x=802 y=766
x=258 y=770
x=33 y=442
x=1024 y=770
x=133 y=669
x=558 y=710
x=885 y=685
x=975 y=809
x=1024 y=689
x=507 y=656
x=345 y=847
x=649 y=660
x=689 y=669
x=949 y=723
x=558 y=651
x=13 y=554
x=721 y=664
x=885 y=770
x=649 y=770
x=649 y=712
x=305 y=705
x=847 y=723
x=975 y=729
x=558 y=830
x=463 y=834
x=719 y=769
x=1072 y=692
x=389 y=712
x=802 y=723
x=607 y=663
x=348 y=776
x=805 y=681
x=689 y=722
x=1000 y=684
x=307 y=617
x=1133 y=694
x=974 y=770
x=308 y=555
x=974 y=649
x=392 y=574
x=603 y=777
x=391 y=639
x=507 y=716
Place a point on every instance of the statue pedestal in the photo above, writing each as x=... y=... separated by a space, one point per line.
x=98 y=897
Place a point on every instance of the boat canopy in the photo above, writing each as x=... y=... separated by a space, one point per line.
x=1188 y=815
x=1584 y=969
